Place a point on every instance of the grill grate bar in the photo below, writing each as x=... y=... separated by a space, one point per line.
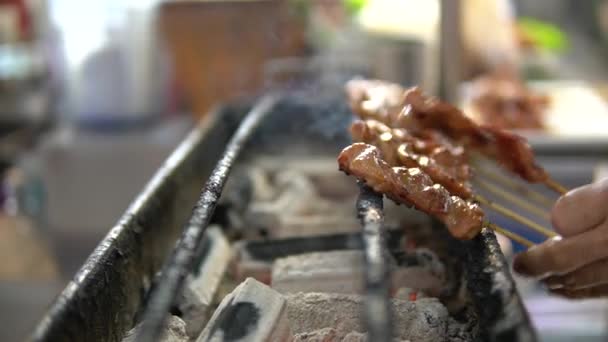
x=378 y=315
x=183 y=256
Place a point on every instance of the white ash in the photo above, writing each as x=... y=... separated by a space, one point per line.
x=200 y=290
x=354 y=336
x=253 y=312
x=343 y=272
x=293 y=197
x=330 y=335
x=322 y=335
x=175 y=331
x=423 y=320
x=337 y=271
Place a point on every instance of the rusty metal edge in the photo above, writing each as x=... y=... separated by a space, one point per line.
x=377 y=310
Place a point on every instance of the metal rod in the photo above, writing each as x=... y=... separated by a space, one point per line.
x=516 y=217
x=515 y=237
x=520 y=202
x=451 y=64
x=181 y=261
x=378 y=315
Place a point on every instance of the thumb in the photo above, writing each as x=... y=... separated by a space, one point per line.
x=580 y=209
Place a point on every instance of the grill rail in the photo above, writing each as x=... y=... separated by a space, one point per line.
x=107 y=295
x=181 y=261
x=501 y=312
x=102 y=301
x=378 y=315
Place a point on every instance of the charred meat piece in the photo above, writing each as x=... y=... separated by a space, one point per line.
x=412 y=187
x=513 y=152
x=401 y=149
x=374 y=99
x=418 y=114
x=504 y=101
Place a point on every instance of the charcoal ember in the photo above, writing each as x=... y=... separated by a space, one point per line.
x=175 y=331
x=343 y=272
x=406 y=293
x=423 y=320
x=252 y=312
x=200 y=290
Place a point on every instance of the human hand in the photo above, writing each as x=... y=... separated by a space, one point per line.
x=575 y=264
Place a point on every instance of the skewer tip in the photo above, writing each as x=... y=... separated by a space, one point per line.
x=555 y=186
x=515 y=237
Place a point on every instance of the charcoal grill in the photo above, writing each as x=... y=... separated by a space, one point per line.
x=137 y=270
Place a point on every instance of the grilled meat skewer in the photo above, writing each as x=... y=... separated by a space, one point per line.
x=401 y=149
x=412 y=187
x=417 y=113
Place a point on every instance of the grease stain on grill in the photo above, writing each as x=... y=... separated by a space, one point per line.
x=236 y=321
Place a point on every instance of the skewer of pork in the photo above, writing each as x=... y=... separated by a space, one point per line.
x=412 y=187
x=397 y=148
x=412 y=110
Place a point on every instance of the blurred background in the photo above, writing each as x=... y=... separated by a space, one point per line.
x=95 y=94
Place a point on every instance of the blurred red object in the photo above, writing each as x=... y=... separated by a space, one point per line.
x=24 y=20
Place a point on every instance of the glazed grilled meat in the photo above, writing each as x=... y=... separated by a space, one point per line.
x=413 y=187
x=504 y=101
x=401 y=149
x=374 y=99
x=419 y=114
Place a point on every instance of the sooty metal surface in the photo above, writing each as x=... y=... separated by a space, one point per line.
x=502 y=316
x=280 y=248
x=378 y=314
x=101 y=302
x=185 y=253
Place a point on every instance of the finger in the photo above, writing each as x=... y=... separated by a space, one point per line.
x=580 y=209
x=593 y=274
x=559 y=255
x=590 y=292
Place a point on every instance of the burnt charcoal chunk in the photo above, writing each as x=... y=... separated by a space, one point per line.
x=252 y=312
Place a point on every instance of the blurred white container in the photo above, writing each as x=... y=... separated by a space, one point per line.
x=115 y=69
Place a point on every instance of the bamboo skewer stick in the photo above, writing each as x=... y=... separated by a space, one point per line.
x=516 y=217
x=531 y=208
x=517 y=238
x=510 y=183
x=555 y=186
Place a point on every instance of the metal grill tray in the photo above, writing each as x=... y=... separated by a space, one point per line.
x=106 y=295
